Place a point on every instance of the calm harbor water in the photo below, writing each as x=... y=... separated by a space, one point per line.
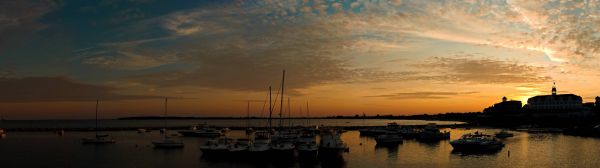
x=45 y=149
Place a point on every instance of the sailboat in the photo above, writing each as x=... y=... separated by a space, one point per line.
x=167 y=142
x=307 y=142
x=2 y=132
x=249 y=130
x=99 y=138
x=261 y=143
x=284 y=144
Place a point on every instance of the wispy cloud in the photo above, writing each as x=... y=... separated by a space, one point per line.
x=481 y=71
x=44 y=89
x=422 y=95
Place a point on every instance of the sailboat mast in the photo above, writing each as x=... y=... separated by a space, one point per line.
x=289 y=113
x=248 y=115
x=281 y=101
x=165 y=120
x=270 y=108
x=97 y=102
x=307 y=115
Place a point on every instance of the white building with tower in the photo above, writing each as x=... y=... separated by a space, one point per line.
x=563 y=105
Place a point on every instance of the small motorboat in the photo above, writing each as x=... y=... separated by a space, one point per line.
x=216 y=146
x=2 y=133
x=283 y=149
x=307 y=145
x=168 y=143
x=240 y=147
x=432 y=133
x=100 y=139
x=332 y=145
x=202 y=130
x=391 y=128
x=477 y=142
x=389 y=139
x=60 y=132
x=504 y=134
x=261 y=145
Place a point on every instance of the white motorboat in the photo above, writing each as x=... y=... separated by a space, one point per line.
x=432 y=133
x=283 y=149
x=201 y=130
x=307 y=145
x=477 y=142
x=261 y=143
x=217 y=146
x=240 y=147
x=332 y=145
x=391 y=128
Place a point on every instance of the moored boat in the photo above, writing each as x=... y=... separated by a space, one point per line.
x=240 y=147
x=167 y=142
x=331 y=145
x=503 y=134
x=283 y=149
x=216 y=147
x=261 y=145
x=391 y=128
x=201 y=130
x=307 y=146
x=99 y=138
x=477 y=142
x=432 y=133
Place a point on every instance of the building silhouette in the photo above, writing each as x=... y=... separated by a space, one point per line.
x=552 y=105
x=555 y=103
x=506 y=107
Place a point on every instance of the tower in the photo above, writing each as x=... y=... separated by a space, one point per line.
x=504 y=99
x=553 y=88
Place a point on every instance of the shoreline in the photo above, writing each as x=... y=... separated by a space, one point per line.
x=465 y=125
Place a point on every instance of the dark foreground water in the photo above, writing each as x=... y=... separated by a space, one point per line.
x=39 y=149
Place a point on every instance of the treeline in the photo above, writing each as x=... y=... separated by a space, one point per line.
x=451 y=116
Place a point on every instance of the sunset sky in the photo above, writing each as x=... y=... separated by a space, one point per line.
x=344 y=57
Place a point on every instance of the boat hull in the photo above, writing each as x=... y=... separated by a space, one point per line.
x=167 y=145
x=97 y=141
x=198 y=134
x=389 y=142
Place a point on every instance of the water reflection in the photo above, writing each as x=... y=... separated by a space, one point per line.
x=391 y=149
x=474 y=153
x=34 y=149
